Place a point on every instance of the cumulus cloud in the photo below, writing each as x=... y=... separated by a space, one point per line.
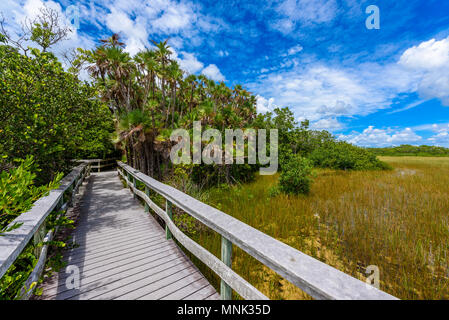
x=188 y=62
x=430 y=60
x=213 y=72
x=371 y=137
x=263 y=105
x=329 y=124
x=319 y=91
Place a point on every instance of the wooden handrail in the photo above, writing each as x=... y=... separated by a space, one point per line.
x=32 y=222
x=314 y=277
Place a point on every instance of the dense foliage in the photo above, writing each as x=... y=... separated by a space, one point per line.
x=150 y=96
x=409 y=150
x=18 y=193
x=48 y=113
x=295 y=178
x=345 y=156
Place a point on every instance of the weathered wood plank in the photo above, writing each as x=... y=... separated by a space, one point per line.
x=115 y=261
x=201 y=294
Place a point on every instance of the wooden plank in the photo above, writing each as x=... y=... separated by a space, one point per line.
x=314 y=277
x=143 y=280
x=144 y=262
x=156 y=282
x=186 y=282
x=96 y=286
x=201 y=294
x=181 y=293
x=114 y=262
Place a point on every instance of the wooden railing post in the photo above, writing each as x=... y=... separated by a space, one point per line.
x=38 y=238
x=147 y=192
x=135 y=186
x=99 y=166
x=70 y=192
x=226 y=257
x=169 y=211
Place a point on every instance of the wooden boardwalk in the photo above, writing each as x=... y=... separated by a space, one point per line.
x=123 y=252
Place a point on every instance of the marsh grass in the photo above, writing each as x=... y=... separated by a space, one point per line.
x=397 y=220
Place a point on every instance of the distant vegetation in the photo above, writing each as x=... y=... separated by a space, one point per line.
x=409 y=150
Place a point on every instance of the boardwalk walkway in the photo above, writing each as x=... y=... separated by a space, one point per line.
x=123 y=252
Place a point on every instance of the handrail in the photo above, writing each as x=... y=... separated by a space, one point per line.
x=314 y=277
x=33 y=221
x=100 y=163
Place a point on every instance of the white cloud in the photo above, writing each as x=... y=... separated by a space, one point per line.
x=174 y=18
x=16 y=13
x=309 y=11
x=430 y=60
x=213 y=72
x=294 y=50
x=318 y=91
x=190 y=63
x=329 y=124
x=428 y=55
x=371 y=137
x=263 y=105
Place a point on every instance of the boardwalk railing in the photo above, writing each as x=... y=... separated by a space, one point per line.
x=33 y=226
x=98 y=164
x=314 y=277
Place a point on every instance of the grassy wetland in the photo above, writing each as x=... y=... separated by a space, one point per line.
x=397 y=220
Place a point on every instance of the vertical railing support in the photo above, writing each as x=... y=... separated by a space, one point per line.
x=169 y=210
x=70 y=193
x=99 y=166
x=38 y=238
x=147 y=192
x=226 y=257
x=135 y=186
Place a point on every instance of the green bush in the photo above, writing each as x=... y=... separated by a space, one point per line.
x=344 y=156
x=48 y=113
x=18 y=192
x=295 y=177
x=17 y=195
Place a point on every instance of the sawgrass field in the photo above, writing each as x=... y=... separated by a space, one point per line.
x=397 y=220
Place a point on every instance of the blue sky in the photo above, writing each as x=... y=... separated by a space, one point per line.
x=371 y=87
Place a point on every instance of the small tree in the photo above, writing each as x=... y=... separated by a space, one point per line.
x=45 y=30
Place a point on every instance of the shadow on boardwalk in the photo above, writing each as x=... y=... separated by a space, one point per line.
x=122 y=252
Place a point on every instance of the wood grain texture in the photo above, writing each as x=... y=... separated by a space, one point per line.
x=123 y=252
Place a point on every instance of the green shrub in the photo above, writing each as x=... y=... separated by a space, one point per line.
x=17 y=195
x=345 y=156
x=18 y=192
x=295 y=177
